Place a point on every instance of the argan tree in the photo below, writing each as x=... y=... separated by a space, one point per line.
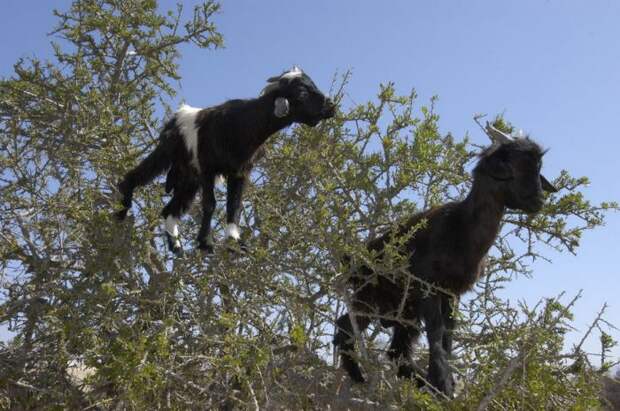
x=105 y=318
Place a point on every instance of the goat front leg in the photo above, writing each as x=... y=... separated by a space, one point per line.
x=205 y=241
x=439 y=374
x=234 y=195
x=448 y=312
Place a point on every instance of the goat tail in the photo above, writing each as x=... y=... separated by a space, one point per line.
x=157 y=162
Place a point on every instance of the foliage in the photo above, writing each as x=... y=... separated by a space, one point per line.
x=105 y=318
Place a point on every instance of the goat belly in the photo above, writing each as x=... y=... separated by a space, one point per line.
x=461 y=281
x=453 y=277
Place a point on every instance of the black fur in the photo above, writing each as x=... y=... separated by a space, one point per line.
x=446 y=252
x=229 y=136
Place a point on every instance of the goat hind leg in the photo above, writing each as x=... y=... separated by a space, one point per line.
x=125 y=188
x=149 y=168
x=172 y=212
x=172 y=234
x=345 y=341
x=400 y=352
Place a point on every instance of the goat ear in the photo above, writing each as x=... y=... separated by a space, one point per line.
x=281 y=107
x=547 y=186
x=499 y=168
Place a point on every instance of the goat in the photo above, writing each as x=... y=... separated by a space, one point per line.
x=446 y=255
x=197 y=145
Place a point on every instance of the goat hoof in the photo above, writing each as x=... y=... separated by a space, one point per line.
x=407 y=372
x=444 y=386
x=174 y=245
x=358 y=378
x=413 y=373
x=353 y=370
x=206 y=248
x=237 y=246
x=177 y=251
x=120 y=215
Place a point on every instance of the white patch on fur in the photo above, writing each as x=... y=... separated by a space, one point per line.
x=186 y=120
x=172 y=226
x=220 y=179
x=232 y=231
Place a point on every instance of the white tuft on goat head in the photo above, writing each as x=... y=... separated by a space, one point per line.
x=272 y=82
x=294 y=72
x=497 y=136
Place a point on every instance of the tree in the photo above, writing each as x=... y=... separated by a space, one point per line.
x=89 y=296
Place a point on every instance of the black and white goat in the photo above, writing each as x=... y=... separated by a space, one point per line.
x=447 y=253
x=197 y=145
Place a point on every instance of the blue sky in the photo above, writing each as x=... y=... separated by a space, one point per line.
x=552 y=66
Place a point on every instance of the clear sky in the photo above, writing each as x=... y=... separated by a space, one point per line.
x=552 y=66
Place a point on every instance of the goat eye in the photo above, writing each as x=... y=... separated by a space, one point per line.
x=303 y=95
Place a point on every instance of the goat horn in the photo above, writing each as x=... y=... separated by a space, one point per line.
x=497 y=136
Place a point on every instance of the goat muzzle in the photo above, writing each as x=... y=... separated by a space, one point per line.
x=329 y=108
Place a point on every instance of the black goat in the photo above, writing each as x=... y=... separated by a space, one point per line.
x=197 y=145
x=445 y=255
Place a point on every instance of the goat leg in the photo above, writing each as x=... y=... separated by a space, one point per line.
x=234 y=195
x=126 y=196
x=447 y=311
x=345 y=341
x=400 y=352
x=439 y=374
x=179 y=203
x=205 y=242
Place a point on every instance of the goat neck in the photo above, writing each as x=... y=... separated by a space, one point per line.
x=484 y=210
x=266 y=123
